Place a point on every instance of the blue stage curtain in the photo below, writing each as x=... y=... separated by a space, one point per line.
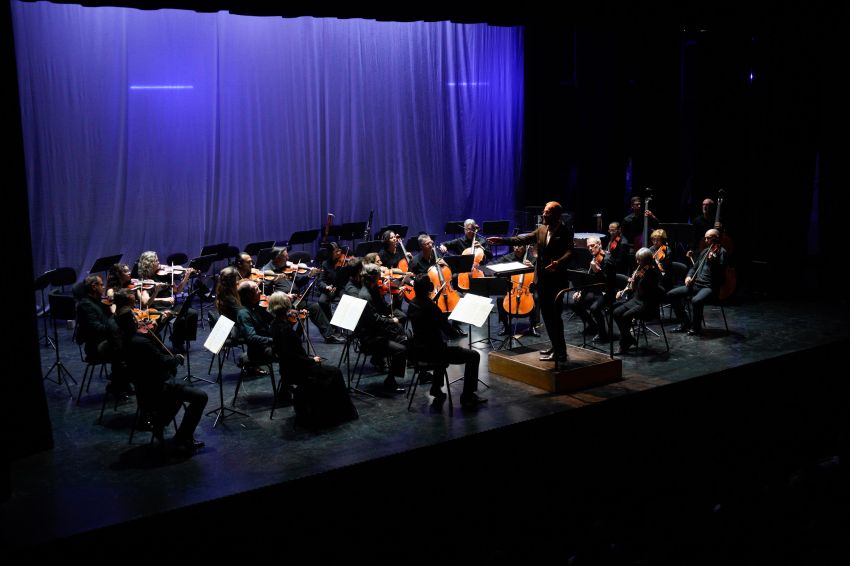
x=171 y=129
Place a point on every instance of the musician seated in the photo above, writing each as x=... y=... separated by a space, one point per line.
x=643 y=296
x=332 y=281
x=297 y=368
x=226 y=294
x=620 y=249
x=151 y=369
x=518 y=254
x=293 y=284
x=429 y=345
x=426 y=259
x=254 y=323
x=703 y=281
x=663 y=257
x=163 y=296
x=387 y=285
x=379 y=331
x=117 y=278
x=589 y=304
x=470 y=239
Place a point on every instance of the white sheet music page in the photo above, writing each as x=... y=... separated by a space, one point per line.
x=472 y=309
x=219 y=334
x=502 y=267
x=348 y=312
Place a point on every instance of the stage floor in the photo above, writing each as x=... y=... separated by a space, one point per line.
x=93 y=478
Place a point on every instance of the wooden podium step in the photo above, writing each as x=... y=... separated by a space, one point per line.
x=585 y=369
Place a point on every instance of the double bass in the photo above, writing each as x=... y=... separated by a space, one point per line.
x=520 y=300
x=730 y=280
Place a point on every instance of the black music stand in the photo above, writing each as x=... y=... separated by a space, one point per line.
x=102 y=264
x=41 y=283
x=454 y=227
x=495 y=228
x=191 y=334
x=202 y=264
x=364 y=248
x=222 y=411
x=352 y=231
x=303 y=237
x=215 y=249
x=254 y=248
x=488 y=287
x=459 y=263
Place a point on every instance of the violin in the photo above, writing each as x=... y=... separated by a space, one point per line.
x=660 y=255
x=146 y=284
x=173 y=269
x=294 y=315
x=612 y=245
x=631 y=286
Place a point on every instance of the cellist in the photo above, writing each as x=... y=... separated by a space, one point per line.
x=427 y=259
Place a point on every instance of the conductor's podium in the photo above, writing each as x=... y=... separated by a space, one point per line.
x=584 y=369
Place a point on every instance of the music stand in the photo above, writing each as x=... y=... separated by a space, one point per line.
x=190 y=335
x=347 y=316
x=215 y=249
x=454 y=227
x=352 y=231
x=459 y=263
x=265 y=256
x=364 y=248
x=253 y=248
x=497 y=227
x=303 y=237
x=202 y=264
x=214 y=343
x=488 y=287
x=102 y=264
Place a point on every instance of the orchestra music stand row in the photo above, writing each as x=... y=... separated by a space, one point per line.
x=102 y=264
x=364 y=248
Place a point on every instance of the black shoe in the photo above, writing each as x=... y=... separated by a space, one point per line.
x=626 y=344
x=334 y=339
x=681 y=328
x=600 y=339
x=695 y=332
x=426 y=377
x=378 y=363
x=460 y=332
x=550 y=357
x=533 y=332
x=546 y=352
x=503 y=330
x=437 y=393
x=471 y=401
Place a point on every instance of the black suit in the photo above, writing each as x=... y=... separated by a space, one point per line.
x=96 y=328
x=559 y=248
x=429 y=326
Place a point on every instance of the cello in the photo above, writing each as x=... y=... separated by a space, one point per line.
x=444 y=295
x=520 y=300
x=478 y=256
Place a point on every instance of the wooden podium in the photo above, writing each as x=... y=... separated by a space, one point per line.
x=585 y=369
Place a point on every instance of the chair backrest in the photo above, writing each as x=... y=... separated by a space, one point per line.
x=43 y=280
x=62 y=307
x=678 y=270
x=62 y=276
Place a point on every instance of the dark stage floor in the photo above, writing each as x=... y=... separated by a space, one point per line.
x=381 y=463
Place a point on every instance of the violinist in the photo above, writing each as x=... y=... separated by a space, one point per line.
x=589 y=304
x=379 y=331
x=254 y=323
x=517 y=254
x=164 y=294
x=662 y=256
x=151 y=368
x=471 y=239
x=644 y=296
x=293 y=286
x=98 y=331
x=334 y=276
x=704 y=279
x=554 y=241
x=226 y=295
x=392 y=255
x=298 y=368
x=117 y=278
x=619 y=248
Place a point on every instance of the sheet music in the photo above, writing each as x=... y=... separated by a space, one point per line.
x=219 y=334
x=348 y=312
x=499 y=268
x=472 y=309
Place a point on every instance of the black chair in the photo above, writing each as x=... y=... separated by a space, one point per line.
x=62 y=307
x=245 y=365
x=92 y=364
x=712 y=301
x=639 y=327
x=437 y=369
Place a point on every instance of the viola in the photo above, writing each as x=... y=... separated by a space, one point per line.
x=660 y=255
x=612 y=245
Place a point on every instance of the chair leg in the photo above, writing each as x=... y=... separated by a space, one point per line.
x=411 y=390
x=238 y=386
